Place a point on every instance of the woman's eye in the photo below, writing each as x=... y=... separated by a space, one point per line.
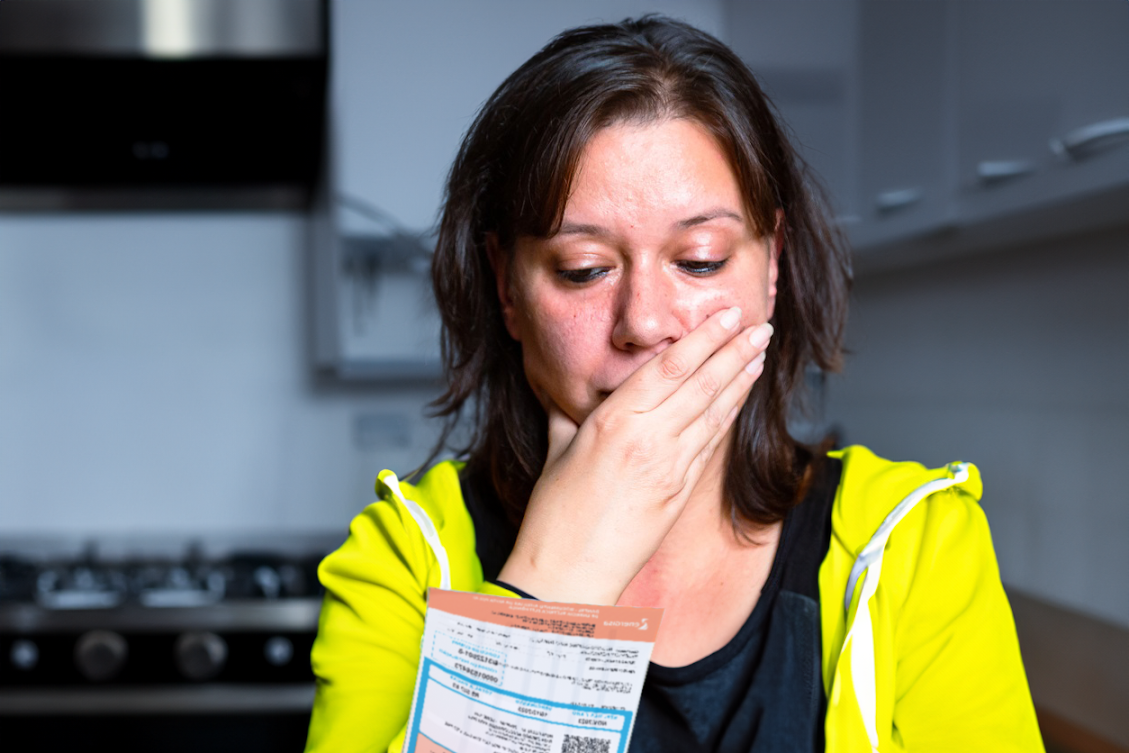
x=581 y=276
x=701 y=268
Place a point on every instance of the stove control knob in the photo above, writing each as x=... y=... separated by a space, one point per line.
x=278 y=651
x=200 y=656
x=24 y=655
x=100 y=655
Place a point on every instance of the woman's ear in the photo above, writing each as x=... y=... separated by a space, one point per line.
x=774 y=247
x=501 y=266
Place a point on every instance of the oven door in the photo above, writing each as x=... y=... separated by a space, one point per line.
x=230 y=677
x=217 y=719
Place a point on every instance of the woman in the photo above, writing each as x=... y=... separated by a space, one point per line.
x=633 y=273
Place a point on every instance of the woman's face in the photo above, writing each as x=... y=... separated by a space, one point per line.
x=655 y=238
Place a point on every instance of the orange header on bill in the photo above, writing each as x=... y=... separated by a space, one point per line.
x=581 y=620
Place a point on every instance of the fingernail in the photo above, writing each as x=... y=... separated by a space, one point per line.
x=760 y=336
x=730 y=318
x=754 y=366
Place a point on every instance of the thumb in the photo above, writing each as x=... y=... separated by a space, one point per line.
x=561 y=431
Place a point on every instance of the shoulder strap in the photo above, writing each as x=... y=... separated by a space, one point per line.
x=494 y=535
x=807 y=530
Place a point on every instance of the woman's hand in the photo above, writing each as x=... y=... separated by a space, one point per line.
x=613 y=487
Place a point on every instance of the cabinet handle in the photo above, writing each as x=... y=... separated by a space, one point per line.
x=997 y=171
x=1074 y=144
x=898 y=198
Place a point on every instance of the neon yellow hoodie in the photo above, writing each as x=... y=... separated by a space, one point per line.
x=936 y=667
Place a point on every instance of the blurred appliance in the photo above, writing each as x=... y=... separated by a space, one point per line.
x=188 y=651
x=158 y=104
x=374 y=313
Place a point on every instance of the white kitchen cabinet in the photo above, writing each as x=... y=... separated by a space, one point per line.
x=986 y=123
x=1033 y=73
x=905 y=120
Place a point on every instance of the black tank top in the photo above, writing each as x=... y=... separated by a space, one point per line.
x=762 y=691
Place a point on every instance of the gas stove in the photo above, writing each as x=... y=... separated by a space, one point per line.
x=215 y=630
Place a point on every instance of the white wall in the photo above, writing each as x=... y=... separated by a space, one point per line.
x=154 y=378
x=1017 y=360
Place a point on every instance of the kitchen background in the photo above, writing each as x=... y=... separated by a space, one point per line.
x=188 y=375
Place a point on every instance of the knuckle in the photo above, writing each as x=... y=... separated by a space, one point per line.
x=714 y=418
x=604 y=421
x=707 y=383
x=672 y=366
x=640 y=448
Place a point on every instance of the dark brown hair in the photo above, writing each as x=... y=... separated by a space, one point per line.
x=512 y=178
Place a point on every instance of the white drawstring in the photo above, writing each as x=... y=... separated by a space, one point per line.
x=426 y=527
x=861 y=635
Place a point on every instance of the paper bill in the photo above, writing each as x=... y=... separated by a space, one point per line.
x=500 y=675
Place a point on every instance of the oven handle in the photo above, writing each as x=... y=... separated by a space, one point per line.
x=196 y=699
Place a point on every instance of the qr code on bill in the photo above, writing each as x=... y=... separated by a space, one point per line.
x=576 y=744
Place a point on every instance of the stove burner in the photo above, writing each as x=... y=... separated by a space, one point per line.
x=63 y=586
x=81 y=587
x=180 y=586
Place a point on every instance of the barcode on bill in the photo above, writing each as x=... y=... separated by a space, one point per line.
x=580 y=744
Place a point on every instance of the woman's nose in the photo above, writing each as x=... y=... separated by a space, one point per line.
x=646 y=315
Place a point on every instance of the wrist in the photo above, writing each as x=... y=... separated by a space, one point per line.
x=514 y=589
x=556 y=583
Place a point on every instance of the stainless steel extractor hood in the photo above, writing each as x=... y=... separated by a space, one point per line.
x=157 y=104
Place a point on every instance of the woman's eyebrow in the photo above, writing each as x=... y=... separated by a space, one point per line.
x=713 y=214
x=576 y=228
